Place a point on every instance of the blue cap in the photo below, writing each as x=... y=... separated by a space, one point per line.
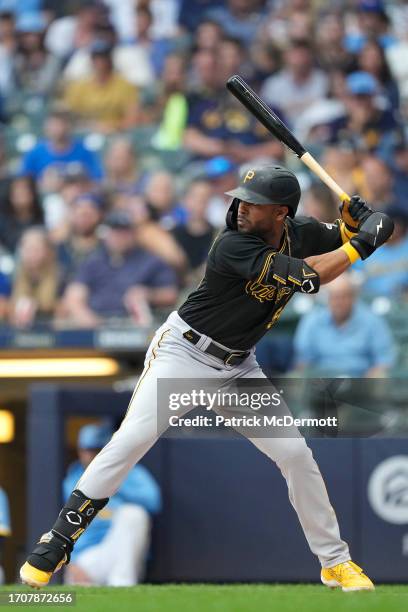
x=8 y=6
x=361 y=84
x=94 y=436
x=30 y=23
x=371 y=6
x=218 y=166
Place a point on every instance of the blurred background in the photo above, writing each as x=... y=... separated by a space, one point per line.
x=118 y=140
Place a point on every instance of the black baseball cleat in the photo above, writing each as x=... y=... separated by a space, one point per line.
x=49 y=555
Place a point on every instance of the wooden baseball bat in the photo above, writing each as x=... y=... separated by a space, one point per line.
x=246 y=95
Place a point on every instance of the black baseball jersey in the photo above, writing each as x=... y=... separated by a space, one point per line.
x=238 y=300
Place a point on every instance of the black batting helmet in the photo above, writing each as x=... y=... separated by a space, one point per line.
x=261 y=185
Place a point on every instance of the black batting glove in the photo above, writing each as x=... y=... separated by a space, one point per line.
x=374 y=231
x=354 y=212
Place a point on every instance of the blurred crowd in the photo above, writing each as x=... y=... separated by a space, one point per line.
x=118 y=140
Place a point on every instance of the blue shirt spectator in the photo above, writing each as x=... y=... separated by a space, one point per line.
x=5 y=292
x=20 y=6
x=59 y=151
x=373 y=23
x=193 y=12
x=354 y=43
x=5 y=529
x=5 y=526
x=238 y=19
x=386 y=271
x=139 y=487
x=107 y=282
x=378 y=129
x=5 y=285
x=345 y=339
x=120 y=279
x=216 y=116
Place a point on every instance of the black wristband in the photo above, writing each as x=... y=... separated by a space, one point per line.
x=363 y=248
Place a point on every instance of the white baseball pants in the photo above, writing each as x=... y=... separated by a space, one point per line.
x=172 y=356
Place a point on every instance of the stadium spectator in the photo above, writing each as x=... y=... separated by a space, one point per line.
x=221 y=173
x=386 y=272
x=149 y=235
x=20 y=7
x=5 y=171
x=164 y=14
x=193 y=13
x=129 y=60
x=345 y=338
x=372 y=59
x=71 y=32
x=161 y=200
x=319 y=202
x=37 y=280
x=51 y=157
x=298 y=85
x=343 y=164
x=21 y=210
x=239 y=18
x=373 y=22
x=368 y=126
x=73 y=182
x=156 y=48
x=34 y=70
x=8 y=46
x=232 y=58
x=201 y=75
x=330 y=48
x=312 y=125
x=165 y=104
x=102 y=101
x=397 y=56
x=195 y=235
x=121 y=279
x=85 y=216
x=217 y=124
x=399 y=168
x=5 y=529
x=121 y=166
x=265 y=60
x=208 y=35
x=5 y=292
x=378 y=181
x=114 y=549
x=287 y=18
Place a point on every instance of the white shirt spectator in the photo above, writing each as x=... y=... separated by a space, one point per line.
x=6 y=72
x=60 y=36
x=294 y=97
x=131 y=61
x=165 y=17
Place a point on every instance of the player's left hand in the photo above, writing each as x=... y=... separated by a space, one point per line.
x=375 y=230
x=355 y=212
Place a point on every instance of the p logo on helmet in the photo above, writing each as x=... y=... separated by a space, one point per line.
x=268 y=184
x=249 y=176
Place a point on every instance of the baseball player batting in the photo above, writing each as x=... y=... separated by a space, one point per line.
x=263 y=256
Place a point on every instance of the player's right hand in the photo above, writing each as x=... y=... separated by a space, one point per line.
x=354 y=212
x=374 y=231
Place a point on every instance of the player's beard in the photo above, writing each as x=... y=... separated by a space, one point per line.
x=249 y=228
